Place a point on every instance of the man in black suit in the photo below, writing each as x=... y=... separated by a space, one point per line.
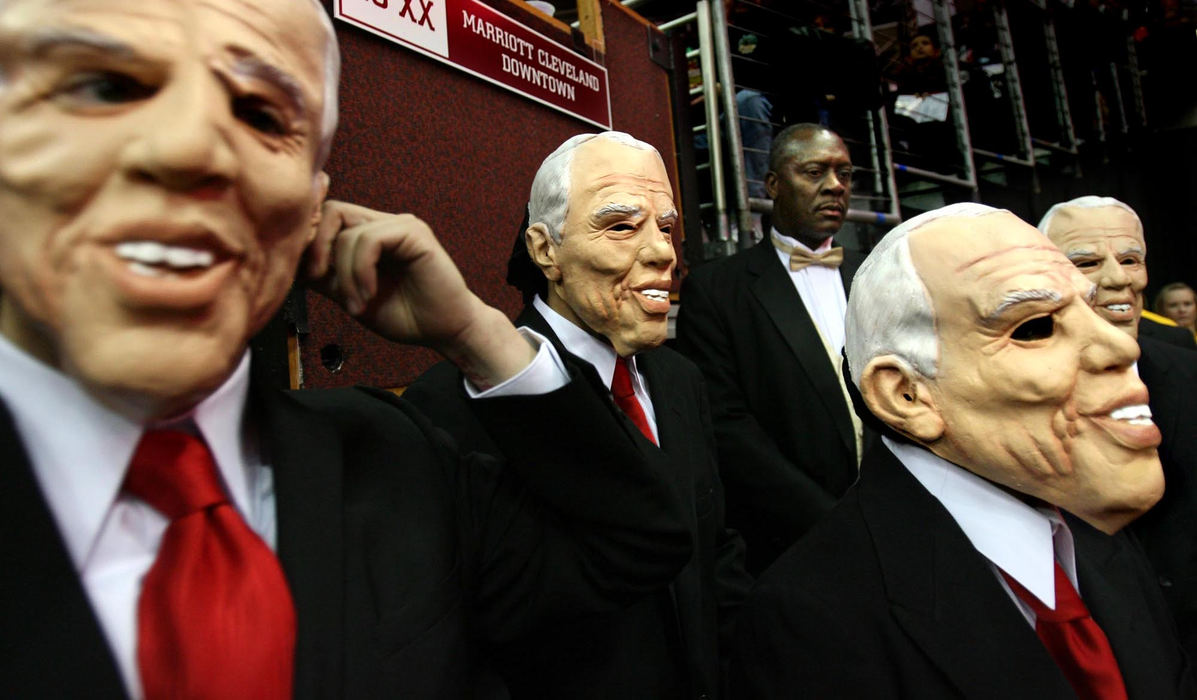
x=596 y=263
x=766 y=328
x=160 y=178
x=1104 y=238
x=1018 y=443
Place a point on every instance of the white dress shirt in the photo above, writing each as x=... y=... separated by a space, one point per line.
x=79 y=450
x=1015 y=537
x=600 y=355
x=822 y=292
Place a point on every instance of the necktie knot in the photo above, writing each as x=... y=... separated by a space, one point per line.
x=625 y=398
x=801 y=258
x=621 y=381
x=174 y=472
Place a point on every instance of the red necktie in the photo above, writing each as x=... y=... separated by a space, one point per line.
x=625 y=397
x=1074 y=640
x=215 y=617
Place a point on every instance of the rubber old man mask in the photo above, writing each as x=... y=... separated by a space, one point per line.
x=1031 y=389
x=612 y=269
x=158 y=184
x=1106 y=244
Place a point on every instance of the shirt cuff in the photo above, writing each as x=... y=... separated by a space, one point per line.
x=545 y=373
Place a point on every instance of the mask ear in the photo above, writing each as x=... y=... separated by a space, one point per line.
x=321 y=191
x=901 y=398
x=543 y=251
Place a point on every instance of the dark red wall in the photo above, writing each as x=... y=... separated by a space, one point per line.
x=419 y=136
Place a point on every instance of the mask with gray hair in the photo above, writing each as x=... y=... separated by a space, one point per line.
x=548 y=202
x=889 y=309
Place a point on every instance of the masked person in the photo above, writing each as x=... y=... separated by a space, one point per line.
x=1103 y=238
x=173 y=528
x=597 y=262
x=984 y=533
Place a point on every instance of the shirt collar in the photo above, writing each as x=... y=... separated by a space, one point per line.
x=80 y=448
x=578 y=341
x=795 y=243
x=1016 y=537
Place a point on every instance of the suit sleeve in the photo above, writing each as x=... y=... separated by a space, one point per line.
x=577 y=520
x=732 y=581
x=750 y=461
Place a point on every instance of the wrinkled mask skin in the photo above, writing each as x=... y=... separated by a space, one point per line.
x=1034 y=390
x=1106 y=244
x=612 y=271
x=158 y=185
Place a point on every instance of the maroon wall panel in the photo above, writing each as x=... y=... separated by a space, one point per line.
x=419 y=136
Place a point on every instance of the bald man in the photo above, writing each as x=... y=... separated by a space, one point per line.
x=766 y=326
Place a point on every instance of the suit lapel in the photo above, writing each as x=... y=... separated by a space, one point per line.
x=1164 y=409
x=1107 y=573
x=671 y=428
x=773 y=288
x=945 y=595
x=51 y=644
x=306 y=458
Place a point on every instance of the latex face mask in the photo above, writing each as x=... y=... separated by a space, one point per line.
x=614 y=265
x=1106 y=245
x=1034 y=390
x=157 y=184
x=811 y=188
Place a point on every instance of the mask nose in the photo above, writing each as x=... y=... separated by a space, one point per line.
x=184 y=140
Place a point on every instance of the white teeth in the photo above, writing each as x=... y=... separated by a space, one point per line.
x=655 y=294
x=1118 y=308
x=1139 y=414
x=145 y=270
x=154 y=253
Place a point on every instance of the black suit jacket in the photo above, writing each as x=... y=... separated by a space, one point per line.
x=787 y=450
x=403 y=559
x=1180 y=337
x=1169 y=530
x=665 y=645
x=887 y=598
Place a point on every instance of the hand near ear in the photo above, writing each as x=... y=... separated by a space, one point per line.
x=901 y=399
x=390 y=272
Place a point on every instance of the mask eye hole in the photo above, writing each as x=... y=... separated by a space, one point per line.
x=1035 y=329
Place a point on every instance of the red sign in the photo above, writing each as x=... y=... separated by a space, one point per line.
x=492 y=46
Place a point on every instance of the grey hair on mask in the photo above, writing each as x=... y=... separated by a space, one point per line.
x=548 y=202
x=889 y=309
x=332 y=78
x=1089 y=201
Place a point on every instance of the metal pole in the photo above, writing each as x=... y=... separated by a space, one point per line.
x=731 y=112
x=1118 y=102
x=710 y=102
x=1013 y=83
x=880 y=155
x=947 y=49
x=1132 y=64
x=666 y=26
x=1059 y=90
